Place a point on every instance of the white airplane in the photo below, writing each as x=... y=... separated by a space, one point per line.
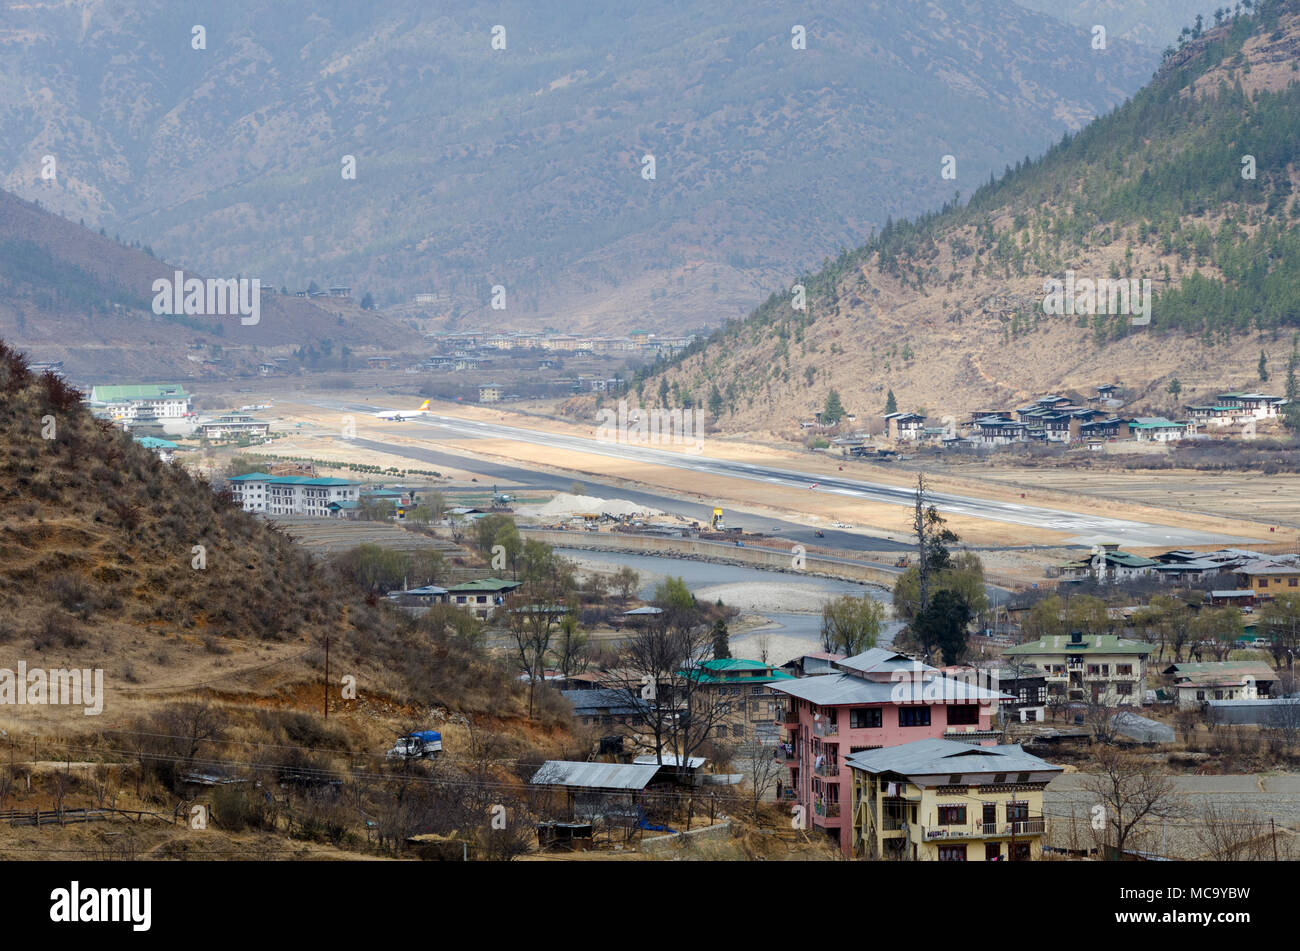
x=398 y=415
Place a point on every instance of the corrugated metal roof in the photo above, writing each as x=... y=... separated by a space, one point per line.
x=945 y=758
x=840 y=689
x=670 y=759
x=594 y=775
x=879 y=659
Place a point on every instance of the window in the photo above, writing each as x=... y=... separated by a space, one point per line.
x=914 y=716
x=1123 y=670
x=964 y=714
x=1017 y=811
x=865 y=718
x=1023 y=852
x=1292 y=582
x=952 y=853
x=952 y=815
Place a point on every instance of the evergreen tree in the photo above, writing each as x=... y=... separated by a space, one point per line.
x=715 y=402
x=1263 y=367
x=721 y=647
x=833 y=411
x=891 y=404
x=1175 y=387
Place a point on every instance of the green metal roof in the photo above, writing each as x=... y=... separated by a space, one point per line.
x=1091 y=644
x=288 y=480
x=484 y=584
x=733 y=670
x=153 y=442
x=145 y=391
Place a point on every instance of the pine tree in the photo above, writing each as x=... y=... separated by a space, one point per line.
x=833 y=411
x=715 y=402
x=1263 y=367
x=721 y=644
x=891 y=404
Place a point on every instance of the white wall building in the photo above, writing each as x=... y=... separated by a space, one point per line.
x=291 y=495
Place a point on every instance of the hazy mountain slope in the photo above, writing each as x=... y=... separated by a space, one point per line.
x=523 y=167
x=69 y=294
x=947 y=311
x=1154 y=22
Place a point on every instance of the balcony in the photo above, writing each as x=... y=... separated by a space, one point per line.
x=828 y=768
x=827 y=810
x=790 y=719
x=825 y=728
x=985 y=830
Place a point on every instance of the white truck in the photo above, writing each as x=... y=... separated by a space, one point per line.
x=421 y=744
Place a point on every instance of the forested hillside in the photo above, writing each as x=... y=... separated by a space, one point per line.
x=1191 y=185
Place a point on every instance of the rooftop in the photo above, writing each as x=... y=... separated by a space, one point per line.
x=831 y=690
x=1090 y=644
x=946 y=758
x=628 y=777
x=289 y=480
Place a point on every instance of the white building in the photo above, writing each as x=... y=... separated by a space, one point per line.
x=146 y=402
x=291 y=495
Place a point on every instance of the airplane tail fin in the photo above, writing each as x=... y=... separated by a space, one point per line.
x=424 y=405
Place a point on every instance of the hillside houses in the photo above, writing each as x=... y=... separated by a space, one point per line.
x=1063 y=420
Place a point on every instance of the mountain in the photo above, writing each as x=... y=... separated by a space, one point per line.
x=1153 y=22
x=523 y=167
x=1190 y=185
x=69 y=294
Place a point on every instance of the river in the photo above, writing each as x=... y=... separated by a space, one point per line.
x=790 y=603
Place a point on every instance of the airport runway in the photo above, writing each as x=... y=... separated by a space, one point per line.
x=1080 y=529
x=550 y=482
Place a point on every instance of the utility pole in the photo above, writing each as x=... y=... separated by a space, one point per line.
x=325 y=693
x=1012 y=802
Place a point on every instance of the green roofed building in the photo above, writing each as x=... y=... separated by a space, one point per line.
x=737 y=696
x=482 y=596
x=292 y=495
x=151 y=401
x=1086 y=667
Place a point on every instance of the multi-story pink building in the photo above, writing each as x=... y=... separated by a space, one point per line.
x=877 y=698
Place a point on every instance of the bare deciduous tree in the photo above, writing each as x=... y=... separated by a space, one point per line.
x=1130 y=790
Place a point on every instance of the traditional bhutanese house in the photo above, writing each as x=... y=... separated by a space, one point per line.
x=1268 y=579
x=1229 y=680
x=941 y=800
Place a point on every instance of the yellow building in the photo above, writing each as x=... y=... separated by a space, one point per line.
x=1268 y=579
x=943 y=800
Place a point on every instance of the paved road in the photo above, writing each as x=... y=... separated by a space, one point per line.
x=1081 y=529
